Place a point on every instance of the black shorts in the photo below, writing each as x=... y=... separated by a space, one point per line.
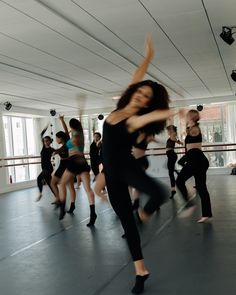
x=61 y=168
x=77 y=164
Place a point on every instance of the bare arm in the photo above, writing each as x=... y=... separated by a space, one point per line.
x=61 y=118
x=137 y=122
x=43 y=132
x=141 y=70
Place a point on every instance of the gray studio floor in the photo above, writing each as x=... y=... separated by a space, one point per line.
x=42 y=256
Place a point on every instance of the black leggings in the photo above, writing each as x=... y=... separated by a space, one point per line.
x=117 y=186
x=172 y=158
x=44 y=175
x=196 y=166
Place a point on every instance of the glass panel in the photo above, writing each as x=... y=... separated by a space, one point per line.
x=30 y=136
x=20 y=172
x=17 y=137
x=7 y=132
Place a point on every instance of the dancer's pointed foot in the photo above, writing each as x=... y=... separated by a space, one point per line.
x=93 y=218
x=203 y=220
x=72 y=208
x=139 y=284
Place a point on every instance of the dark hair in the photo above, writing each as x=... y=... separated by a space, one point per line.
x=75 y=124
x=62 y=135
x=98 y=133
x=172 y=127
x=159 y=101
x=48 y=138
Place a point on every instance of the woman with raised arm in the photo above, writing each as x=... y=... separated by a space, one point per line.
x=61 y=138
x=46 y=164
x=76 y=165
x=197 y=165
x=144 y=106
x=171 y=155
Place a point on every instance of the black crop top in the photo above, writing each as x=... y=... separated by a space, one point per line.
x=170 y=144
x=193 y=139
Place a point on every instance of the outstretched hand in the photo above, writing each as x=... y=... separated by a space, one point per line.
x=61 y=117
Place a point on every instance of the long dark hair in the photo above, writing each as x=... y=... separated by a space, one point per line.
x=76 y=124
x=159 y=101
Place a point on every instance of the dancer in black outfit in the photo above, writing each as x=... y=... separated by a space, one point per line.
x=142 y=106
x=94 y=153
x=171 y=155
x=47 y=168
x=61 y=138
x=197 y=165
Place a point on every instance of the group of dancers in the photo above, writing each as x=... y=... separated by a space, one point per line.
x=141 y=113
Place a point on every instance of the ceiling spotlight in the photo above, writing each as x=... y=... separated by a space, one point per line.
x=226 y=34
x=53 y=112
x=100 y=117
x=233 y=75
x=200 y=107
x=7 y=105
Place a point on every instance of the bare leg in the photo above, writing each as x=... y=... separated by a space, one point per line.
x=85 y=177
x=54 y=182
x=99 y=185
x=72 y=196
x=67 y=177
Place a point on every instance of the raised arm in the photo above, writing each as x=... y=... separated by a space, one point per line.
x=142 y=69
x=61 y=118
x=43 y=132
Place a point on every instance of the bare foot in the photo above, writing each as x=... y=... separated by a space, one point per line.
x=203 y=220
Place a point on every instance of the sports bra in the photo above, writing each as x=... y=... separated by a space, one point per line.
x=193 y=139
x=71 y=146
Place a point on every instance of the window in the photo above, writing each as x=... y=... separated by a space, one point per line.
x=20 y=141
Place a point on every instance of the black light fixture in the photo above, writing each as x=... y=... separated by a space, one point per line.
x=7 y=105
x=200 y=107
x=226 y=34
x=53 y=112
x=233 y=75
x=100 y=117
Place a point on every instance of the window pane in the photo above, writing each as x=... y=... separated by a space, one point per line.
x=30 y=136
x=6 y=126
x=18 y=139
x=20 y=172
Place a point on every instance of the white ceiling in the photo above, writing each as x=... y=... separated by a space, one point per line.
x=53 y=51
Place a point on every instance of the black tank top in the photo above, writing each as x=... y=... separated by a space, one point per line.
x=117 y=145
x=193 y=139
x=170 y=143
